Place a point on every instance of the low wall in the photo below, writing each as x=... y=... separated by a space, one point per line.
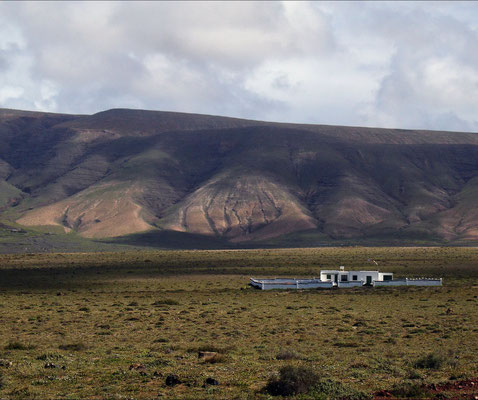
x=395 y=282
x=350 y=284
x=424 y=282
x=410 y=282
x=283 y=283
x=292 y=283
x=314 y=285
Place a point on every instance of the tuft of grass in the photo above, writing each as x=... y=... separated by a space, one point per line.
x=413 y=374
x=409 y=390
x=329 y=389
x=50 y=357
x=218 y=358
x=210 y=347
x=346 y=344
x=291 y=381
x=288 y=355
x=79 y=346
x=161 y=340
x=15 y=345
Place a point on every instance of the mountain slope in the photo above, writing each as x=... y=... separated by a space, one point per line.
x=120 y=172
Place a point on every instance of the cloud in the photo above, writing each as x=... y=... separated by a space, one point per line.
x=352 y=63
x=432 y=77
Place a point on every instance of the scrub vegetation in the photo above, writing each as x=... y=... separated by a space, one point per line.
x=186 y=325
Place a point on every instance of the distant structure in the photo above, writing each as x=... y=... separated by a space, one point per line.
x=343 y=279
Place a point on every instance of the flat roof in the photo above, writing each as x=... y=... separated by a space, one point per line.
x=350 y=270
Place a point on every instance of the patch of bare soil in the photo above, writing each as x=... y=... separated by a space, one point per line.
x=457 y=390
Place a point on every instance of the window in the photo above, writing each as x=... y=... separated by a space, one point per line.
x=354 y=277
x=344 y=278
x=329 y=276
x=387 y=277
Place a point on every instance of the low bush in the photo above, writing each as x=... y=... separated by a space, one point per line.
x=18 y=346
x=305 y=383
x=430 y=361
x=291 y=381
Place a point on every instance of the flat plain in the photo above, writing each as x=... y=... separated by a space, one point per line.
x=115 y=325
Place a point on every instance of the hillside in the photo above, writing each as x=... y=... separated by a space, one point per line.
x=238 y=182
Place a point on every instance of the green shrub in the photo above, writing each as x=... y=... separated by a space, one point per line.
x=430 y=361
x=291 y=381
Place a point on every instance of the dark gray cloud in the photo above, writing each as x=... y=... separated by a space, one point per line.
x=382 y=64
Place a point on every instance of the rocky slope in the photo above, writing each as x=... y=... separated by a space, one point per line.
x=121 y=172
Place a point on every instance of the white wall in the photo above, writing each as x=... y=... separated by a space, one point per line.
x=398 y=282
x=410 y=282
x=424 y=282
x=350 y=284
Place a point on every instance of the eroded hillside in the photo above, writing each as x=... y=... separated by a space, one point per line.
x=121 y=172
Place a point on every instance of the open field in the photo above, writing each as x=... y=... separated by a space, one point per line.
x=120 y=323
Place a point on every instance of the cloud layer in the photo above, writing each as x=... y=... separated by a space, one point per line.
x=404 y=65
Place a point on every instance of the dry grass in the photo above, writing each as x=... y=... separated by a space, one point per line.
x=158 y=314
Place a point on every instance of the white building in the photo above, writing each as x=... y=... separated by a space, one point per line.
x=347 y=278
x=343 y=279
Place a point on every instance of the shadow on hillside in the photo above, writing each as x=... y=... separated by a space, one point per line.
x=172 y=240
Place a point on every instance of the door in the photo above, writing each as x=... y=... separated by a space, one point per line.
x=336 y=278
x=369 y=280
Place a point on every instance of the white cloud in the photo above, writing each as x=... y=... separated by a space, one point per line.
x=379 y=63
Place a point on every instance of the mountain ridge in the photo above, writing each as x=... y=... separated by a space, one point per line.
x=121 y=172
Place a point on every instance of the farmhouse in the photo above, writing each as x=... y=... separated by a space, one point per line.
x=354 y=278
x=343 y=279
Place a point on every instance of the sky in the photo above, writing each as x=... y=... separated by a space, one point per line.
x=383 y=64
